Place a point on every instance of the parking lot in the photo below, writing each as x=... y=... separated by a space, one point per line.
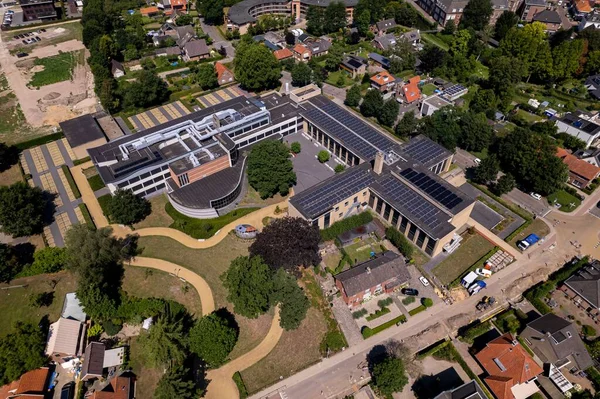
x=526 y=201
x=309 y=171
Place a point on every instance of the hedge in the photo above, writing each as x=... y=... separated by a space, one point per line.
x=474 y=331
x=39 y=141
x=382 y=303
x=239 y=382
x=359 y=313
x=417 y=310
x=71 y=181
x=408 y=300
x=369 y=332
x=594 y=375
x=345 y=225
x=81 y=161
x=399 y=241
x=87 y=217
x=378 y=313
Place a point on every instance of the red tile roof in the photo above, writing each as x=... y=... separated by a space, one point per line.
x=33 y=382
x=383 y=78
x=119 y=388
x=411 y=89
x=583 y=5
x=282 y=54
x=301 y=49
x=148 y=10
x=507 y=365
x=578 y=166
x=220 y=69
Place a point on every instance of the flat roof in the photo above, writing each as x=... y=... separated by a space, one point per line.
x=239 y=13
x=81 y=130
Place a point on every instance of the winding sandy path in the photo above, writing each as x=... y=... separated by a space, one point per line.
x=221 y=384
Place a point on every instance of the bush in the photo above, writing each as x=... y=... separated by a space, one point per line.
x=86 y=216
x=427 y=302
x=369 y=332
x=94 y=331
x=323 y=156
x=96 y=183
x=295 y=147
x=47 y=260
x=71 y=181
x=345 y=225
x=359 y=313
x=339 y=168
x=417 y=310
x=408 y=300
x=111 y=328
x=382 y=303
x=399 y=241
x=474 y=331
x=239 y=382
x=378 y=313
x=588 y=330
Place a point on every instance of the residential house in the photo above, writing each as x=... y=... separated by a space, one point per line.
x=301 y=53
x=454 y=91
x=550 y=19
x=510 y=370
x=224 y=75
x=531 y=7
x=411 y=90
x=413 y=37
x=592 y=84
x=443 y=11
x=583 y=288
x=149 y=11
x=275 y=38
x=185 y=34
x=93 y=361
x=195 y=50
x=556 y=340
x=582 y=8
x=589 y=155
x=33 y=384
x=354 y=65
x=72 y=308
x=433 y=103
x=385 y=273
x=469 y=390
x=591 y=20
x=117 y=69
x=385 y=42
x=168 y=51
x=269 y=44
x=379 y=60
x=582 y=126
x=120 y=387
x=171 y=7
x=65 y=339
x=283 y=54
x=382 y=27
x=581 y=173
x=383 y=82
x=318 y=47
x=498 y=7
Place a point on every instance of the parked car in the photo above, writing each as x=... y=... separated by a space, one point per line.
x=410 y=291
x=477 y=161
x=536 y=196
x=37 y=39
x=424 y=281
x=483 y=272
x=43 y=30
x=24 y=41
x=68 y=391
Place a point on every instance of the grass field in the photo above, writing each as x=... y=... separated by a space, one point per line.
x=159 y=217
x=434 y=39
x=335 y=76
x=11 y=116
x=57 y=68
x=528 y=116
x=252 y=198
x=472 y=248
x=361 y=251
x=96 y=182
x=565 y=199
x=146 y=377
x=428 y=89
x=538 y=227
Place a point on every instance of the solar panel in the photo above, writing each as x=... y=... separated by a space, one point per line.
x=424 y=150
x=590 y=127
x=454 y=90
x=434 y=189
x=315 y=202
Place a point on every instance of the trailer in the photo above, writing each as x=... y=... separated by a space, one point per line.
x=468 y=280
x=528 y=242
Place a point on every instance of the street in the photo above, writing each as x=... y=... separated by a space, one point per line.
x=218 y=40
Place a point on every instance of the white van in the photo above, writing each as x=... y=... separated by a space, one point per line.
x=483 y=272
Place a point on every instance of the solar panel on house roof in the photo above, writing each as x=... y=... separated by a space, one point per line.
x=424 y=150
x=453 y=90
x=434 y=189
x=590 y=128
x=318 y=201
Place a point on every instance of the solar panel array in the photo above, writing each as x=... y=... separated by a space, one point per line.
x=413 y=204
x=454 y=90
x=590 y=127
x=434 y=189
x=424 y=150
x=315 y=202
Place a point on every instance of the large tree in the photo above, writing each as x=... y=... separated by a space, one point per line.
x=402 y=57
x=443 y=127
x=335 y=17
x=476 y=14
x=127 y=208
x=211 y=10
x=487 y=170
x=476 y=133
x=176 y=383
x=315 y=20
x=389 y=112
x=432 y=57
x=406 y=15
x=293 y=302
x=207 y=76
x=21 y=351
x=270 y=171
x=484 y=100
x=389 y=375
x=165 y=344
x=353 y=96
x=256 y=68
x=505 y=184
x=567 y=58
x=249 y=283
x=334 y=58
x=407 y=125
x=362 y=22
x=301 y=74
x=505 y=22
x=372 y=103
x=376 y=9
x=149 y=89
x=9 y=263
x=212 y=338
x=529 y=45
x=288 y=243
x=22 y=209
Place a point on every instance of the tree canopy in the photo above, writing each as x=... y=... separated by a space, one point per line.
x=165 y=344
x=21 y=351
x=148 y=90
x=9 y=263
x=288 y=243
x=487 y=170
x=476 y=14
x=127 y=208
x=212 y=338
x=22 y=209
x=207 y=76
x=177 y=382
x=9 y=156
x=211 y=10
x=389 y=375
x=389 y=112
x=506 y=21
x=249 y=282
x=407 y=125
x=294 y=303
x=270 y=170
x=353 y=96
x=301 y=74
x=256 y=68
x=372 y=103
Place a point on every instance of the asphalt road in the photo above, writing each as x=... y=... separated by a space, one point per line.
x=526 y=201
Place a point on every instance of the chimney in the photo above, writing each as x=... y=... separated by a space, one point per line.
x=378 y=166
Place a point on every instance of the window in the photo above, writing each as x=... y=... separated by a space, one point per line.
x=421 y=239
x=386 y=212
x=355 y=200
x=346 y=203
x=395 y=216
x=371 y=201
x=327 y=220
x=403 y=225
x=364 y=193
x=411 y=232
x=430 y=245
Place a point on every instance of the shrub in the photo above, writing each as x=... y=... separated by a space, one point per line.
x=47 y=260
x=359 y=313
x=295 y=147
x=71 y=181
x=369 y=332
x=94 y=331
x=588 y=330
x=345 y=225
x=427 y=302
x=378 y=313
x=323 y=156
x=382 y=303
x=399 y=241
x=408 y=300
x=474 y=331
x=111 y=328
x=239 y=382
x=339 y=168
x=417 y=310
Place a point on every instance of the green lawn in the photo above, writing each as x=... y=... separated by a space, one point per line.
x=472 y=248
x=334 y=77
x=528 y=116
x=57 y=68
x=104 y=201
x=538 y=227
x=96 y=182
x=428 y=89
x=483 y=154
x=361 y=251
x=565 y=200
x=204 y=228
x=434 y=39
x=482 y=71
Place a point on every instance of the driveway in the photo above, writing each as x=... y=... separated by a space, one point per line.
x=338 y=94
x=527 y=202
x=464 y=159
x=309 y=170
x=218 y=40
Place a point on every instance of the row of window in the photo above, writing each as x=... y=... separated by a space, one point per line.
x=142 y=176
x=248 y=128
x=286 y=129
x=228 y=199
x=336 y=148
x=440 y=167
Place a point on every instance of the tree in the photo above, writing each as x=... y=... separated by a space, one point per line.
x=22 y=209
x=184 y=19
x=406 y=15
x=176 y=383
x=148 y=90
x=389 y=376
x=477 y=14
x=335 y=17
x=449 y=27
x=592 y=66
x=427 y=302
x=212 y=338
x=315 y=20
x=9 y=156
x=363 y=22
x=270 y=171
x=566 y=58
x=476 y=133
x=376 y=9
x=506 y=21
x=9 y=263
x=407 y=125
x=166 y=342
x=432 y=57
x=207 y=76
x=505 y=73
x=339 y=168
x=460 y=43
x=256 y=68
x=530 y=46
x=372 y=103
x=48 y=260
x=288 y=243
x=334 y=58
x=588 y=330
x=592 y=36
x=249 y=283
x=353 y=96
x=487 y=170
x=127 y=208
x=402 y=57
x=21 y=351
x=295 y=147
x=389 y=112
x=294 y=303
x=505 y=184
x=484 y=100
x=301 y=74
x=570 y=142
x=211 y=10
x=443 y=127
x=323 y=156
